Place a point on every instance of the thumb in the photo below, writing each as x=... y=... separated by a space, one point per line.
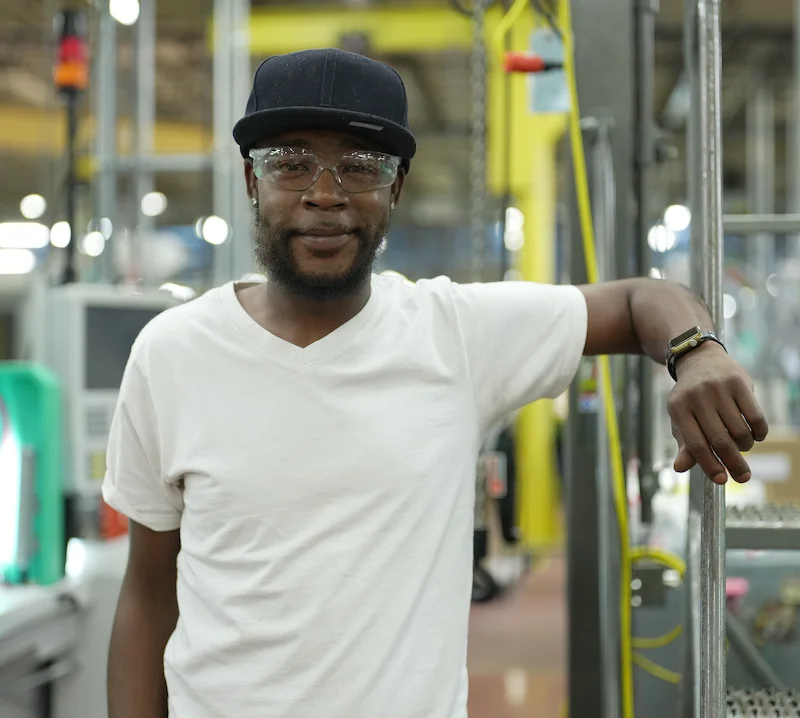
x=684 y=461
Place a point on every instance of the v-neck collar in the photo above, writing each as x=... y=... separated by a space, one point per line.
x=287 y=352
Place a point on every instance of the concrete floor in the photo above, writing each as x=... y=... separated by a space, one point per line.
x=517 y=653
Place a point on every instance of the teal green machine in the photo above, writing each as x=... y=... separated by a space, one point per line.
x=31 y=487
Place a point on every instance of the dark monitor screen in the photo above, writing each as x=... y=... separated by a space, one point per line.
x=110 y=333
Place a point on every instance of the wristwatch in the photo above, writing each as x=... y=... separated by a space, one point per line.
x=685 y=342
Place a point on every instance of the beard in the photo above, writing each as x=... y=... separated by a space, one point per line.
x=273 y=252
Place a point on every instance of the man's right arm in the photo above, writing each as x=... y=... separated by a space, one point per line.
x=146 y=616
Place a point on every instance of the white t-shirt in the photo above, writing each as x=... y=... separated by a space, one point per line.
x=325 y=495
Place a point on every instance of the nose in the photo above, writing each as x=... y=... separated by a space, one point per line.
x=325 y=193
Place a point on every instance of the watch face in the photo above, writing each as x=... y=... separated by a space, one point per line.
x=685 y=338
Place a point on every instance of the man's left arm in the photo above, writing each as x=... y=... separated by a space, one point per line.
x=715 y=414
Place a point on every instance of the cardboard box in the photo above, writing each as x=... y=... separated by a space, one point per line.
x=776 y=463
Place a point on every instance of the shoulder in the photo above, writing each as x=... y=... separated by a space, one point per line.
x=176 y=327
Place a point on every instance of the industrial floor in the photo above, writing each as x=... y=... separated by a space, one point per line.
x=517 y=652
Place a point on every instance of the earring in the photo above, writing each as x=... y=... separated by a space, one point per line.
x=391 y=206
x=254 y=200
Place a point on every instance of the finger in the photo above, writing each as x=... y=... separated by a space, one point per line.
x=721 y=444
x=752 y=412
x=684 y=461
x=695 y=442
x=737 y=427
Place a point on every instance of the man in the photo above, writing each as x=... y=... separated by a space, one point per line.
x=297 y=457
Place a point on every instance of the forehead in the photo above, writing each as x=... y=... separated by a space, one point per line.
x=322 y=141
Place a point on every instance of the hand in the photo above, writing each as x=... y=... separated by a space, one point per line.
x=715 y=414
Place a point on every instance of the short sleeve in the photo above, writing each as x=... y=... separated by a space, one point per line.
x=524 y=341
x=134 y=484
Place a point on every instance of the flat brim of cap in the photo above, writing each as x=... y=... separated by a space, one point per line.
x=389 y=136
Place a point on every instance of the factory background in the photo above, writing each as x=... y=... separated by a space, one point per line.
x=122 y=194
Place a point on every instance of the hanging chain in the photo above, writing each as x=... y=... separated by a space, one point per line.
x=478 y=142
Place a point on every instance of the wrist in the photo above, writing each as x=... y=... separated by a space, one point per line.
x=700 y=353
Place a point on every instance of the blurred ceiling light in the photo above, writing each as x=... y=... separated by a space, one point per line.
x=23 y=235
x=153 y=204
x=772 y=285
x=93 y=244
x=514 y=237
x=729 y=306
x=33 y=206
x=60 y=234
x=102 y=225
x=214 y=230
x=515 y=220
x=125 y=12
x=677 y=218
x=748 y=298
x=660 y=238
x=16 y=261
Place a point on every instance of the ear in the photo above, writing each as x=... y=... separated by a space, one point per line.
x=251 y=180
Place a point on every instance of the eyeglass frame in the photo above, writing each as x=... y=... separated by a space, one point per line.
x=259 y=153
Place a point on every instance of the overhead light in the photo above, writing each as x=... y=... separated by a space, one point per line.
x=23 y=235
x=660 y=238
x=748 y=298
x=677 y=218
x=773 y=283
x=214 y=230
x=93 y=244
x=33 y=206
x=60 y=234
x=153 y=204
x=102 y=225
x=125 y=12
x=17 y=261
x=729 y=306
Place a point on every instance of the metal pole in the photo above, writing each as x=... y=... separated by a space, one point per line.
x=232 y=74
x=761 y=259
x=70 y=273
x=707 y=258
x=478 y=141
x=145 y=123
x=645 y=155
x=793 y=165
x=105 y=112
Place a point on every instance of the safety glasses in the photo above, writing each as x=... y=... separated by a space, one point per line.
x=298 y=169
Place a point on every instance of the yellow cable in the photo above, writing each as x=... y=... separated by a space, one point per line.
x=655 y=670
x=670 y=561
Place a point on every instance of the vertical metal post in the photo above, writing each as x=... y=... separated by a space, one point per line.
x=646 y=11
x=793 y=156
x=143 y=180
x=706 y=260
x=231 y=78
x=761 y=259
x=603 y=193
x=478 y=141
x=105 y=112
x=70 y=272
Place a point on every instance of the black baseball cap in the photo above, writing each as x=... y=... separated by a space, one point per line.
x=328 y=90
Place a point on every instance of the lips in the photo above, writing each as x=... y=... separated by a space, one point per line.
x=325 y=238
